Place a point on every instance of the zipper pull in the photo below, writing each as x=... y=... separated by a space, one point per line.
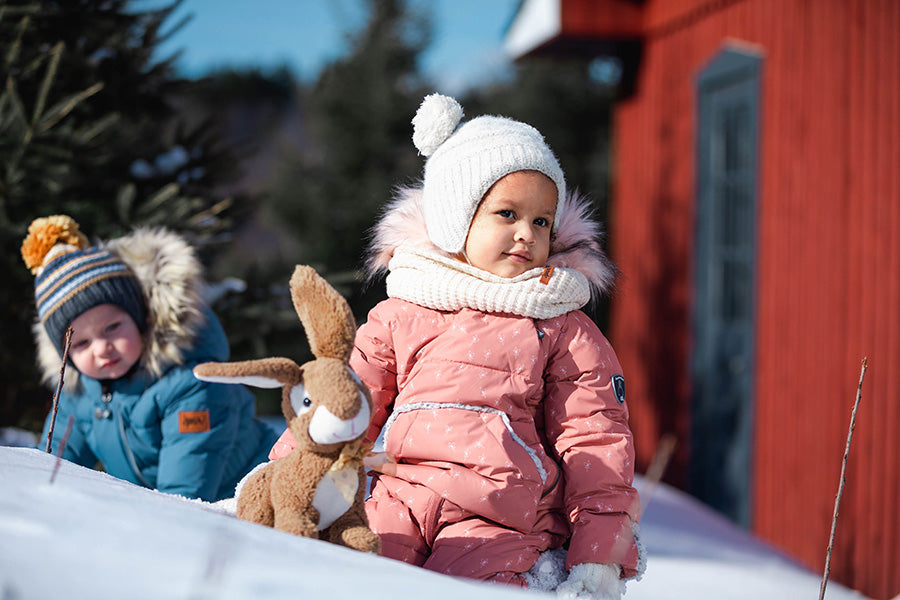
x=104 y=412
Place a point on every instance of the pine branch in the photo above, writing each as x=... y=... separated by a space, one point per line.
x=16 y=46
x=837 y=500
x=44 y=91
x=59 y=384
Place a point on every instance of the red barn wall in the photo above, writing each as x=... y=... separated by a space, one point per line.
x=828 y=262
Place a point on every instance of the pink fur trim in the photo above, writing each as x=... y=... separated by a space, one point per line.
x=575 y=244
x=401 y=224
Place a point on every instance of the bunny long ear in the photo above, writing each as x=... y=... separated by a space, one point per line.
x=324 y=313
x=263 y=373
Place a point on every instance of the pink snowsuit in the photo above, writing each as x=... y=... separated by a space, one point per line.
x=508 y=434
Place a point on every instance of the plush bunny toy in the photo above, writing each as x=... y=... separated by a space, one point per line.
x=316 y=491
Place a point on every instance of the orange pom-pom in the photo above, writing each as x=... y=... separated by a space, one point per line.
x=46 y=232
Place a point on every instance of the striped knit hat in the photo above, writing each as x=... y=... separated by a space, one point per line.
x=72 y=278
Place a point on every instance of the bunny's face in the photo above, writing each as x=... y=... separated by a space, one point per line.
x=324 y=402
x=329 y=407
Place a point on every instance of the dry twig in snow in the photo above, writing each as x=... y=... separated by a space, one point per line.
x=59 y=384
x=664 y=452
x=62 y=447
x=837 y=499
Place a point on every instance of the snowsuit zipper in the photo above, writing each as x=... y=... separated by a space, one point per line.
x=110 y=410
x=105 y=412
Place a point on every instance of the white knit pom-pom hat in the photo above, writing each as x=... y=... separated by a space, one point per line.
x=464 y=161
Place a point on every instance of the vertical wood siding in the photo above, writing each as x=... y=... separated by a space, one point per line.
x=828 y=262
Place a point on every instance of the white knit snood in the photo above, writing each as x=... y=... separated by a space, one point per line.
x=443 y=283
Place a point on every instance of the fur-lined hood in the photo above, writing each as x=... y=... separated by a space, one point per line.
x=171 y=278
x=575 y=243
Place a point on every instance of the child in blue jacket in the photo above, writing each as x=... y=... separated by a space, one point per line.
x=139 y=326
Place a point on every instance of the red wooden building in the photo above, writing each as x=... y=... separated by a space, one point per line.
x=756 y=217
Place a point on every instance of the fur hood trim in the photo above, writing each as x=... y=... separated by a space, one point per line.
x=170 y=275
x=574 y=245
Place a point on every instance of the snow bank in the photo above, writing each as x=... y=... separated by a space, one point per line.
x=89 y=535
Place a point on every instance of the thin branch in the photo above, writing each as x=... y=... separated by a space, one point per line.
x=837 y=500
x=59 y=384
x=665 y=449
x=62 y=447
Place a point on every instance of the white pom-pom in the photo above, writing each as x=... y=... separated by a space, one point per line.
x=435 y=121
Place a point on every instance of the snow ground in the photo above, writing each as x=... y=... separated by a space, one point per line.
x=89 y=535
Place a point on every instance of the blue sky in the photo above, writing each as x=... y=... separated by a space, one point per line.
x=467 y=47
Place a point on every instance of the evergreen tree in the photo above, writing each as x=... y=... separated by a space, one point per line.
x=260 y=115
x=358 y=115
x=86 y=130
x=349 y=144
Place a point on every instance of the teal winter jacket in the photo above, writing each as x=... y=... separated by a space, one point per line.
x=159 y=426
x=173 y=433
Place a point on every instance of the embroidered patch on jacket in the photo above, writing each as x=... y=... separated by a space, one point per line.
x=619 y=388
x=546 y=274
x=193 y=421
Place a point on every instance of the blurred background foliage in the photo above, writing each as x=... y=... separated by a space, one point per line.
x=259 y=171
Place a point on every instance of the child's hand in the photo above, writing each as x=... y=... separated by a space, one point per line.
x=380 y=462
x=592 y=581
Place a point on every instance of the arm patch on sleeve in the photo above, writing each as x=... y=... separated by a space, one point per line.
x=193 y=421
x=619 y=388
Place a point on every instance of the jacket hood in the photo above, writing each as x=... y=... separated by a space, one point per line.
x=575 y=244
x=170 y=275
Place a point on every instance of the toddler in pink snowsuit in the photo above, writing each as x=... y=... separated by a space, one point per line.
x=501 y=404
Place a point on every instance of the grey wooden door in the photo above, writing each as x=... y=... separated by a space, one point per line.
x=724 y=307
